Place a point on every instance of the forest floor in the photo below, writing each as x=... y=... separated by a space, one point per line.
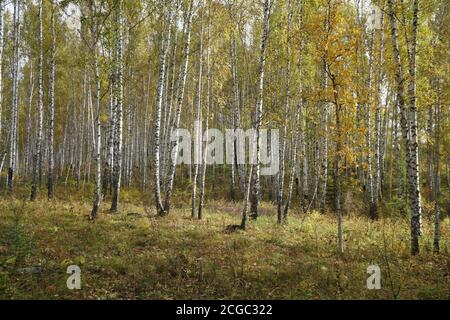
x=133 y=255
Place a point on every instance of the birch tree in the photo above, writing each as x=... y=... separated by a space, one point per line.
x=368 y=118
x=157 y=121
x=118 y=98
x=409 y=120
x=297 y=123
x=51 y=108
x=413 y=159
x=176 y=122
x=15 y=97
x=437 y=177
x=259 y=109
x=28 y=150
x=97 y=132
x=324 y=125
x=37 y=158
x=281 y=174
x=1 y=68
x=208 y=104
x=198 y=123
x=379 y=132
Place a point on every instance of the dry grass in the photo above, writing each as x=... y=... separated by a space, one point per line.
x=131 y=255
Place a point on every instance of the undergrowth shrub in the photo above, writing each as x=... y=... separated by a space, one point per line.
x=18 y=239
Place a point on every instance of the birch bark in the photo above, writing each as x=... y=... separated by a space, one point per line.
x=1 y=68
x=281 y=174
x=51 y=109
x=208 y=103
x=97 y=131
x=198 y=124
x=408 y=121
x=28 y=147
x=378 y=124
x=15 y=90
x=37 y=167
x=437 y=182
x=324 y=125
x=157 y=125
x=259 y=109
x=373 y=207
x=182 y=83
x=118 y=93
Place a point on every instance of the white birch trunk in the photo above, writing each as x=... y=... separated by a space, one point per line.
x=97 y=131
x=198 y=123
x=437 y=182
x=208 y=103
x=409 y=123
x=236 y=109
x=37 y=167
x=373 y=205
x=118 y=93
x=413 y=159
x=259 y=109
x=51 y=116
x=157 y=125
x=180 y=98
x=1 y=70
x=15 y=90
x=281 y=174
x=378 y=124
x=28 y=147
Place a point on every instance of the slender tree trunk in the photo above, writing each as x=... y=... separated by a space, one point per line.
x=51 y=116
x=304 y=155
x=3 y=162
x=437 y=182
x=373 y=205
x=173 y=95
x=182 y=83
x=281 y=174
x=15 y=90
x=338 y=194
x=110 y=142
x=409 y=123
x=1 y=69
x=208 y=103
x=430 y=151
x=413 y=161
x=316 y=169
x=28 y=147
x=382 y=148
x=293 y=167
x=97 y=131
x=62 y=161
x=157 y=125
x=145 y=136
x=324 y=125
x=236 y=109
x=91 y=132
x=118 y=92
x=198 y=132
x=337 y=175
x=37 y=170
x=247 y=197
x=81 y=130
x=378 y=124
x=98 y=180
x=297 y=122
x=259 y=110
x=303 y=123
